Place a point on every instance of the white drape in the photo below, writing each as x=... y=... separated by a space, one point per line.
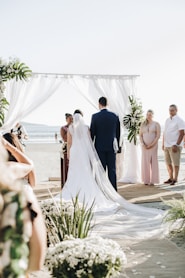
x=131 y=163
x=25 y=97
x=115 y=88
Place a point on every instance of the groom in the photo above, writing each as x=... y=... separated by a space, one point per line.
x=105 y=131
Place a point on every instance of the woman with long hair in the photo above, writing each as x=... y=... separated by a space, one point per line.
x=149 y=133
x=22 y=227
x=16 y=154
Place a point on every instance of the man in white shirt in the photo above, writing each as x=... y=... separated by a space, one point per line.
x=172 y=143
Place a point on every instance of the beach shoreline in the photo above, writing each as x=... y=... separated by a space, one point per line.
x=46 y=157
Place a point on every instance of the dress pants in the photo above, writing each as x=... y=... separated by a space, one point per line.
x=64 y=168
x=108 y=160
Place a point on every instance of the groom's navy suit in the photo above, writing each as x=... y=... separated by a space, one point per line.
x=105 y=127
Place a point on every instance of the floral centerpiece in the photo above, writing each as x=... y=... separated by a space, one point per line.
x=91 y=257
x=9 y=70
x=134 y=119
x=64 y=218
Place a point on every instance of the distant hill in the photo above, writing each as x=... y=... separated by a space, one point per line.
x=40 y=130
x=26 y=124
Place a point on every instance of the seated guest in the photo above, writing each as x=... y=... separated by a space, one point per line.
x=21 y=133
x=22 y=228
x=16 y=154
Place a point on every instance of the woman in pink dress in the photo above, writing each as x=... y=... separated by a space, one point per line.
x=150 y=132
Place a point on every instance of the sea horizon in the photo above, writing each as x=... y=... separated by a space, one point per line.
x=43 y=133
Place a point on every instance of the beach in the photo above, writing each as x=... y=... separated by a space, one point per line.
x=46 y=158
x=150 y=258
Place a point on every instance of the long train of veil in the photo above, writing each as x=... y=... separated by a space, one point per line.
x=113 y=215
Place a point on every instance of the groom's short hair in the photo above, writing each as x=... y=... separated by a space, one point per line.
x=103 y=101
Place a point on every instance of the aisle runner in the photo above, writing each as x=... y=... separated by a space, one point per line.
x=134 y=193
x=139 y=193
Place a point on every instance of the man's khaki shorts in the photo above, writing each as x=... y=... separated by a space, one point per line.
x=171 y=157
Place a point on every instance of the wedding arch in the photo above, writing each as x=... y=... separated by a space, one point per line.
x=25 y=96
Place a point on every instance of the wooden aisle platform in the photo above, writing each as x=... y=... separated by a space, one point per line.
x=134 y=193
x=146 y=258
x=140 y=193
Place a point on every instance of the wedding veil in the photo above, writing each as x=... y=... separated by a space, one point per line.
x=127 y=219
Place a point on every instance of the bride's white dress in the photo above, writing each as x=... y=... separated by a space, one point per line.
x=113 y=215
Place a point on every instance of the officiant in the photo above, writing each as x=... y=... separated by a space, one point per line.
x=64 y=159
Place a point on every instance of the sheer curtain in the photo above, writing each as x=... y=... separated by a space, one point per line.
x=25 y=96
x=116 y=89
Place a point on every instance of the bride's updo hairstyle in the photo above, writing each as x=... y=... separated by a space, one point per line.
x=77 y=111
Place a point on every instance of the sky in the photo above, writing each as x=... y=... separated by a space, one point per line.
x=142 y=37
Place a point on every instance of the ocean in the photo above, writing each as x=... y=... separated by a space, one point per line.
x=40 y=133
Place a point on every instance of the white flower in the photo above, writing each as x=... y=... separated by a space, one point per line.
x=133 y=120
x=80 y=272
x=2 y=87
x=9 y=70
x=5 y=257
x=23 y=264
x=88 y=252
x=9 y=215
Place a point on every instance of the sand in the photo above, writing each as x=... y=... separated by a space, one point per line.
x=46 y=157
x=150 y=258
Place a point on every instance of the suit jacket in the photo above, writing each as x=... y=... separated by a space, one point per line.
x=105 y=126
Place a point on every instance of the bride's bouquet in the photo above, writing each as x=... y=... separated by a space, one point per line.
x=93 y=257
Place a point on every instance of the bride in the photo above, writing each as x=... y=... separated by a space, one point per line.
x=113 y=215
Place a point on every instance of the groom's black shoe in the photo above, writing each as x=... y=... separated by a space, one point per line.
x=173 y=182
x=168 y=181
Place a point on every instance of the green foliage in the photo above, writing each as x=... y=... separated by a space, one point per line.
x=14 y=236
x=175 y=214
x=3 y=106
x=67 y=219
x=12 y=69
x=133 y=121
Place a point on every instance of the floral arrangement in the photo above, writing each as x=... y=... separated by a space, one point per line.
x=66 y=218
x=14 y=234
x=175 y=214
x=89 y=257
x=9 y=70
x=133 y=121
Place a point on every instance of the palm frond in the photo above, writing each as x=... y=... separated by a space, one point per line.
x=175 y=215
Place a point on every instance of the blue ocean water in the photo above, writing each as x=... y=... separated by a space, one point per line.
x=39 y=133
